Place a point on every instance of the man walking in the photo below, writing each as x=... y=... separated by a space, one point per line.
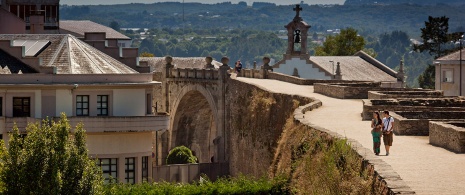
x=388 y=122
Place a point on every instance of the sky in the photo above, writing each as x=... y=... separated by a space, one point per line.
x=278 y=2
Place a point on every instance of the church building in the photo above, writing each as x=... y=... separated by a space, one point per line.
x=359 y=67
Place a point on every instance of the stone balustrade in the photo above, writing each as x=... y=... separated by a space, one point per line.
x=194 y=73
x=412 y=93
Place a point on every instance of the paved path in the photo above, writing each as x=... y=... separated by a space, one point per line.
x=425 y=168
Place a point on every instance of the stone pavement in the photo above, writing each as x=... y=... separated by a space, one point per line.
x=425 y=168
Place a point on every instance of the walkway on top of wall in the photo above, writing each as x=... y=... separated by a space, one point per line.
x=425 y=168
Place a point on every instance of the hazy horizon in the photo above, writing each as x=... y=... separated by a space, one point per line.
x=278 y=2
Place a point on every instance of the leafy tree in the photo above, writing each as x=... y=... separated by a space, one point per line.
x=146 y=54
x=49 y=161
x=115 y=25
x=180 y=155
x=434 y=34
x=348 y=42
x=427 y=79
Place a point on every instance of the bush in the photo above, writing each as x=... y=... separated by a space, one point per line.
x=180 y=155
x=49 y=161
x=238 y=185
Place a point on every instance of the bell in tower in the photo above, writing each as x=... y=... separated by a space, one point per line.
x=297 y=38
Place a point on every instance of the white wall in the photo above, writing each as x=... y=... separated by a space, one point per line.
x=64 y=102
x=119 y=143
x=129 y=102
x=38 y=103
x=306 y=71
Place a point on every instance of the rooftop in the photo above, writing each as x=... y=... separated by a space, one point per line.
x=71 y=56
x=79 y=27
x=352 y=68
x=453 y=56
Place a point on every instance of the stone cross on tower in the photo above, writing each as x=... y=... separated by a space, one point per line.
x=297 y=9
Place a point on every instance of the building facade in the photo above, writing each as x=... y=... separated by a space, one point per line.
x=42 y=76
x=449 y=73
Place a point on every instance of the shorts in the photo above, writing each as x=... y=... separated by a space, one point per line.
x=388 y=138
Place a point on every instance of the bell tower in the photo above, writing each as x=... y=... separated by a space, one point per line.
x=297 y=31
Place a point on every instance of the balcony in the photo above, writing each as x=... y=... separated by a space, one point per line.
x=98 y=124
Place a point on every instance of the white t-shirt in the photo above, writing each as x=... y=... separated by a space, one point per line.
x=388 y=123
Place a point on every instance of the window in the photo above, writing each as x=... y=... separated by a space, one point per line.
x=102 y=105
x=1 y=106
x=447 y=76
x=21 y=106
x=149 y=104
x=145 y=168
x=109 y=169
x=82 y=105
x=130 y=170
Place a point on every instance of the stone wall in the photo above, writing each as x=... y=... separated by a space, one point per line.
x=255 y=121
x=412 y=93
x=415 y=104
x=448 y=135
x=256 y=124
x=347 y=90
x=417 y=123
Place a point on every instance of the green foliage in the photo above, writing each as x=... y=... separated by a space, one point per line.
x=427 y=78
x=434 y=34
x=239 y=185
x=49 y=161
x=180 y=155
x=347 y=43
x=114 y=25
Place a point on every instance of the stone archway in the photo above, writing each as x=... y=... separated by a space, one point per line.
x=194 y=121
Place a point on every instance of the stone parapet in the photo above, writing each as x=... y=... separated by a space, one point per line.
x=417 y=122
x=412 y=93
x=415 y=104
x=194 y=73
x=448 y=135
x=357 y=90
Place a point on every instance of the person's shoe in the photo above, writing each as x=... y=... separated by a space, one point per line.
x=387 y=153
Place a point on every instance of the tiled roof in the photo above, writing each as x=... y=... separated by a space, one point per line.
x=453 y=56
x=73 y=56
x=79 y=27
x=157 y=63
x=352 y=68
x=11 y=65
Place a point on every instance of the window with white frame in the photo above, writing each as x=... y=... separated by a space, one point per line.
x=130 y=170
x=447 y=76
x=102 y=105
x=109 y=169
x=82 y=105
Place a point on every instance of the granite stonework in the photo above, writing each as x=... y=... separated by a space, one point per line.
x=448 y=135
x=354 y=90
x=417 y=122
x=412 y=104
x=411 y=93
x=266 y=74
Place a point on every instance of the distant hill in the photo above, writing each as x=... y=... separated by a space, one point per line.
x=392 y=2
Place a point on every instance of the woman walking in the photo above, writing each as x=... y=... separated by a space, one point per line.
x=377 y=125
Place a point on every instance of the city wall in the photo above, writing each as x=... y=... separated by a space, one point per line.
x=259 y=126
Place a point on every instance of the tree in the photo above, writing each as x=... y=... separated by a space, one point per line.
x=427 y=79
x=180 y=155
x=115 y=25
x=434 y=34
x=49 y=161
x=146 y=54
x=348 y=42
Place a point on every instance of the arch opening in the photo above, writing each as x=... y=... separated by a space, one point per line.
x=194 y=126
